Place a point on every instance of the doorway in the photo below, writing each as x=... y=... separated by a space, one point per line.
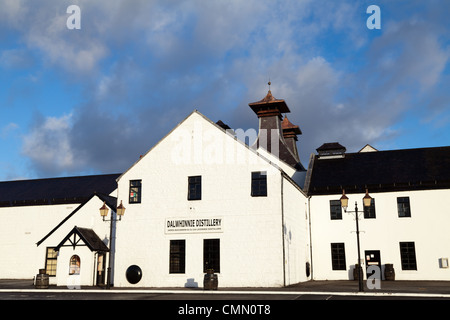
x=101 y=269
x=373 y=258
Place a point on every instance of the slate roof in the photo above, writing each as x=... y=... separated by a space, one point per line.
x=269 y=101
x=381 y=171
x=55 y=190
x=89 y=237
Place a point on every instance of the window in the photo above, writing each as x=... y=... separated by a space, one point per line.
x=338 y=256
x=195 y=188
x=74 y=267
x=177 y=256
x=211 y=255
x=369 y=212
x=259 y=184
x=135 y=191
x=403 y=207
x=408 y=256
x=335 y=210
x=51 y=261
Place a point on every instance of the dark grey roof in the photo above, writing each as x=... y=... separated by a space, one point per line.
x=55 y=190
x=89 y=237
x=381 y=171
x=331 y=146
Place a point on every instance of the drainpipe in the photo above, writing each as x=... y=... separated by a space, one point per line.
x=282 y=232
x=310 y=240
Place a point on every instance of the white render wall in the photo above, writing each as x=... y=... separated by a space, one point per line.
x=296 y=233
x=251 y=240
x=20 y=230
x=427 y=228
x=87 y=274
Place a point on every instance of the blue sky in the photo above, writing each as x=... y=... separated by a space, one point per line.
x=92 y=100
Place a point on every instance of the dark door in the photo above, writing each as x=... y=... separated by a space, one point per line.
x=373 y=258
x=101 y=261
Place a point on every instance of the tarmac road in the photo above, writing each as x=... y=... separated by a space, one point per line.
x=328 y=290
x=182 y=296
x=229 y=303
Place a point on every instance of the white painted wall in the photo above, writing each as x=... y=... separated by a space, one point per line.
x=296 y=233
x=427 y=228
x=20 y=230
x=87 y=274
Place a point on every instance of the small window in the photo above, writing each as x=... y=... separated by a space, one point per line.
x=177 y=256
x=338 y=256
x=408 y=255
x=135 y=191
x=259 y=184
x=211 y=255
x=74 y=267
x=335 y=210
x=51 y=261
x=369 y=212
x=195 y=188
x=403 y=207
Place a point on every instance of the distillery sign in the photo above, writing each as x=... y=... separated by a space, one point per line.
x=183 y=225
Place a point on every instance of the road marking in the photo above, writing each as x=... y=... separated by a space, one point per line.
x=219 y=292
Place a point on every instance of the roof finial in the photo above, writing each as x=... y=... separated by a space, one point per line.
x=269 y=83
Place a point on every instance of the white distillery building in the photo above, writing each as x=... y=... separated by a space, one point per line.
x=405 y=224
x=201 y=199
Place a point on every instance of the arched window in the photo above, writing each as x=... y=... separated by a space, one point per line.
x=74 y=267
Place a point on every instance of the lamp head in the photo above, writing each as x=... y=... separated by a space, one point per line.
x=344 y=200
x=104 y=210
x=367 y=200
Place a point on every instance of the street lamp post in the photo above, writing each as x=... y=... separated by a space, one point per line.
x=366 y=202
x=103 y=213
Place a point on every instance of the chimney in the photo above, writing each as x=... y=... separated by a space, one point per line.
x=270 y=136
x=290 y=133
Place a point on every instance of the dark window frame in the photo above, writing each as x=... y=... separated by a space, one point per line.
x=335 y=210
x=135 y=191
x=338 y=261
x=195 y=188
x=404 y=207
x=369 y=212
x=408 y=255
x=259 y=184
x=211 y=255
x=177 y=256
x=51 y=261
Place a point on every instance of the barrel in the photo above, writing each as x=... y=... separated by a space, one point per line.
x=210 y=281
x=389 y=272
x=42 y=280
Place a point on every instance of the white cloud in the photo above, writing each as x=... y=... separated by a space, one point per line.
x=8 y=129
x=48 y=146
x=144 y=66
